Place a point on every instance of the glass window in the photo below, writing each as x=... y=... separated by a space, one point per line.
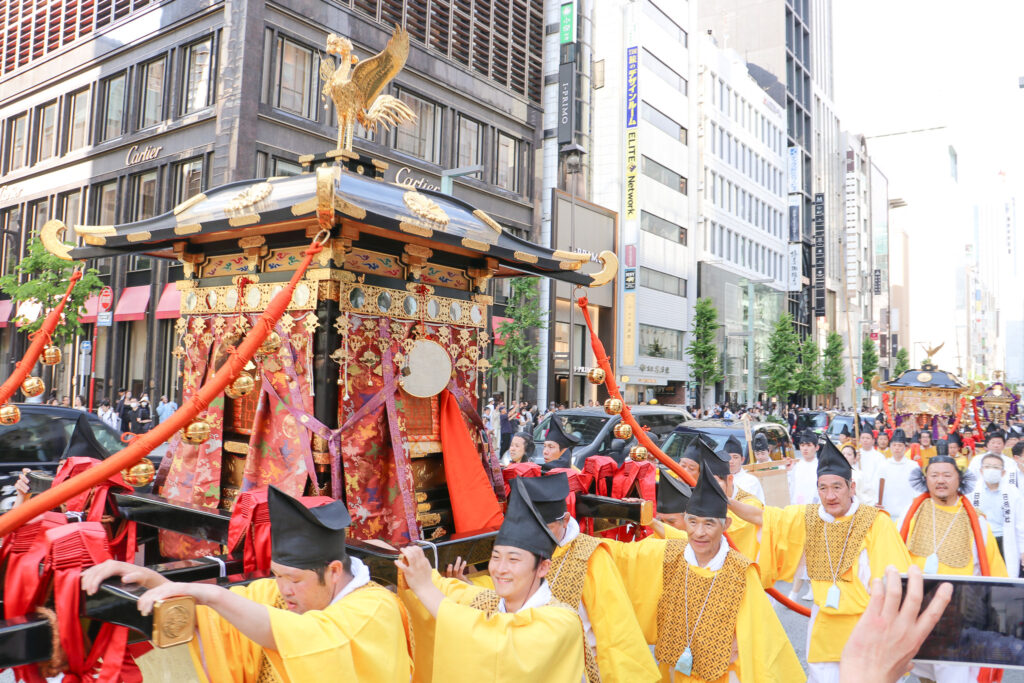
x=508 y=163
x=78 y=120
x=661 y=342
x=664 y=72
x=662 y=228
x=104 y=199
x=151 y=87
x=284 y=168
x=17 y=142
x=71 y=210
x=112 y=92
x=419 y=139
x=46 y=131
x=38 y=213
x=188 y=180
x=664 y=123
x=10 y=221
x=144 y=195
x=665 y=22
x=468 y=144
x=295 y=79
x=665 y=176
x=198 y=83
x=663 y=282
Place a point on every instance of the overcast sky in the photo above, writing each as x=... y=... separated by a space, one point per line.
x=904 y=65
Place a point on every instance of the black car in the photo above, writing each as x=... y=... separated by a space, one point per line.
x=814 y=420
x=39 y=439
x=839 y=420
x=717 y=432
x=594 y=428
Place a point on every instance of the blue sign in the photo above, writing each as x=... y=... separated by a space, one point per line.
x=85 y=346
x=632 y=93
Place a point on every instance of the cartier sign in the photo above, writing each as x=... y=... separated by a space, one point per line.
x=405 y=176
x=137 y=156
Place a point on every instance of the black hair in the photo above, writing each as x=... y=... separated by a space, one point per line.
x=321 y=571
x=1018 y=449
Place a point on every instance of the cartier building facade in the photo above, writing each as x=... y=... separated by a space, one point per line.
x=117 y=110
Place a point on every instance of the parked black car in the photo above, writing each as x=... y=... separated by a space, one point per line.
x=719 y=431
x=839 y=420
x=594 y=427
x=39 y=440
x=815 y=420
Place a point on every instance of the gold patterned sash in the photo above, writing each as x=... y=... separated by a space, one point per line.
x=569 y=570
x=743 y=496
x=487 y=602
x=818 y=568
x=712 y=648
x=267 y=673
x=955 y=550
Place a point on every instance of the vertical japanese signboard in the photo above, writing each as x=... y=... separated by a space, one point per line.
x=819 y=255
x=630 y=208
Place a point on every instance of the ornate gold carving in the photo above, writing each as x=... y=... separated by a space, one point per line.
x=254 y=194
x=356 y=86
x=85 y=230
x=416 y=258
x=424 y=207
x=247 y=219
x=174 y=621
x=415 y=229
x=189 y=203
x=304 y=207
x=609 y=267
x=267 y=290
x=476 y=245
x=252 y=241
x=50 y=237
x=187 y=229
x=371 y=297
x=524 y=257
x=571 y=256
x=491 y=223
x=325 y=179
x=480 y=277
x=349 y=209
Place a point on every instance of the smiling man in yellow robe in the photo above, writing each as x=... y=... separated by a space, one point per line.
x=517 y=632
x=843 y=544
x=320 y=615
x=701 y=604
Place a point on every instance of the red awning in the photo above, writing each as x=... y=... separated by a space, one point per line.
x=91 y=306
x=169 y=305
x=132 y=304
x=496 y=322
x=6 y=306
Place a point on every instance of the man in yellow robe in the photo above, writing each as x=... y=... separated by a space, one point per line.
x=516 y=632
x=320 y=615
x=941 y=541
x=701 y=604
x=844 y=545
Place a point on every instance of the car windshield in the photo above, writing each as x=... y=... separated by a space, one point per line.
x=678 y=442
x=586 y=427
x=811 y=421
x=40 y=437
x=108 y=437
x=839 y=421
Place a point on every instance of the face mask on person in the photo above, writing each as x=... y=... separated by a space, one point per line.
x=992 y=476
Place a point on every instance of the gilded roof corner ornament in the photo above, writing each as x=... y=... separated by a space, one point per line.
x=424 y=207
x=50 y=235
x=355 y=86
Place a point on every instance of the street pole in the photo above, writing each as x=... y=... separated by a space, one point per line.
x=750 y=343
x=572 y=309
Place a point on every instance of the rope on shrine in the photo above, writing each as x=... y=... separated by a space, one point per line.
x=645 y=440
x=190 y=409
x=40 y=339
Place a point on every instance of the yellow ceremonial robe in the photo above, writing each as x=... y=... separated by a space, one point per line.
x=621 y=651
x=745 y=535
x=361 y=637
x=927 y=454
x=535 y=644
x=782 y=547
x=765 y=654
x=996 y=565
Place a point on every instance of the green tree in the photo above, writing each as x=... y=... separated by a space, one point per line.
x=517 y=359
x=43 y=278
x=703 y=349
x=902 y=361
x=868 y=361
x=782 y=364
x=808 y=376
x=832 y=374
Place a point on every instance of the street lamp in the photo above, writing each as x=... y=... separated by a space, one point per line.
x=572 y=154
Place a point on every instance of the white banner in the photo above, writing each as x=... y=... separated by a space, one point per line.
x=794 y=267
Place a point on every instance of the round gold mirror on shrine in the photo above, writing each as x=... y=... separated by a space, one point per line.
x=427 y=370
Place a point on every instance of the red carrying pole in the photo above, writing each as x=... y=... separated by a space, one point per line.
x=142 y=445
x=641 y=436
x=40 y=338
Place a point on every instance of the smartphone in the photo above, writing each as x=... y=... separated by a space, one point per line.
x=983 y=624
